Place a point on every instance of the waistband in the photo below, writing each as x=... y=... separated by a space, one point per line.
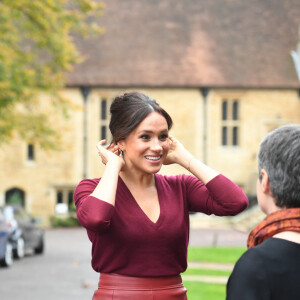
x=116 y=281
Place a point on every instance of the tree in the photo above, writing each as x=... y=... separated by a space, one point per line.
x=37 y=50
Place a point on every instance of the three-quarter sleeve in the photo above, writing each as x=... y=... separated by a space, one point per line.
x=220 y=196
x=93 y=214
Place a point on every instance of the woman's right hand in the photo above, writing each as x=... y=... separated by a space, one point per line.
x=107 y=187
x=110 y=153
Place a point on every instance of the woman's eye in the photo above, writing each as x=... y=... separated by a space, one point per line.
x=145 y=137
x=164 y=137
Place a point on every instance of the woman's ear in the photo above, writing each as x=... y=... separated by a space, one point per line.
x=120 y=144
x=265 y=181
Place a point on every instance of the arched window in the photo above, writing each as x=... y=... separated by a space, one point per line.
x=15 y=196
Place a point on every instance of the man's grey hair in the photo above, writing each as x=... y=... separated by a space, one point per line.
x=279 y=155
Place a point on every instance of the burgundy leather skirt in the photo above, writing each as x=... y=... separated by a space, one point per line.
x=120 y=287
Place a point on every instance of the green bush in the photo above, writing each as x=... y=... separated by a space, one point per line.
x=64 y=221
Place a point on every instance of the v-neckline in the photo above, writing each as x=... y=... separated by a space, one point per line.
x=158 y=221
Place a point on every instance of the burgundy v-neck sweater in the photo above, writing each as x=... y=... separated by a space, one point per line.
x=125 y=241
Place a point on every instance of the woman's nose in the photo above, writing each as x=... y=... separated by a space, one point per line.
x=156 y=145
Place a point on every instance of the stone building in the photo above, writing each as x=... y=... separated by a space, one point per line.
x=226 y=72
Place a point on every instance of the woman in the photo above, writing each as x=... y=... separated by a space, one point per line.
x=270 y=269
x=137 y=220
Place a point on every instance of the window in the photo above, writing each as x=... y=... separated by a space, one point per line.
x=230 y=122
x=30 y=152
x=59 y=197
x=224 y=135
x=70 y=198
x=224 y=110
x=235 y=136
x=235 y=110
x=103 y=109
x=64 y=196
x=15 y=196
x=103 y=132
x=104 y=122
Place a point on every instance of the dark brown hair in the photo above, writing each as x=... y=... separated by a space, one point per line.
x=129 y=110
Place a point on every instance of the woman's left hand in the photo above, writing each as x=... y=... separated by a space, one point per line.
x=177 y=152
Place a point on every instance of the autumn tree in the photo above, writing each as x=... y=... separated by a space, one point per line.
x=36 y=52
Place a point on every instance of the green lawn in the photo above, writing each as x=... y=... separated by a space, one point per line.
x=205 y=291
x=210 y=291
x=215 y=254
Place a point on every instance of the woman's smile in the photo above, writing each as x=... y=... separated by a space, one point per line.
x=154 y=159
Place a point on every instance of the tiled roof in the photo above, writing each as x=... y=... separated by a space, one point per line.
x=193 y=43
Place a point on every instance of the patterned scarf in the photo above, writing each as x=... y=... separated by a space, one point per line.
x=282 y=220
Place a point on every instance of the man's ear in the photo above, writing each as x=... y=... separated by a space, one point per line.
x=265 y=181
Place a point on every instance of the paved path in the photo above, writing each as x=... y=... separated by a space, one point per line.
x=218 y=237
x=211 y=266
x=207 y=279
